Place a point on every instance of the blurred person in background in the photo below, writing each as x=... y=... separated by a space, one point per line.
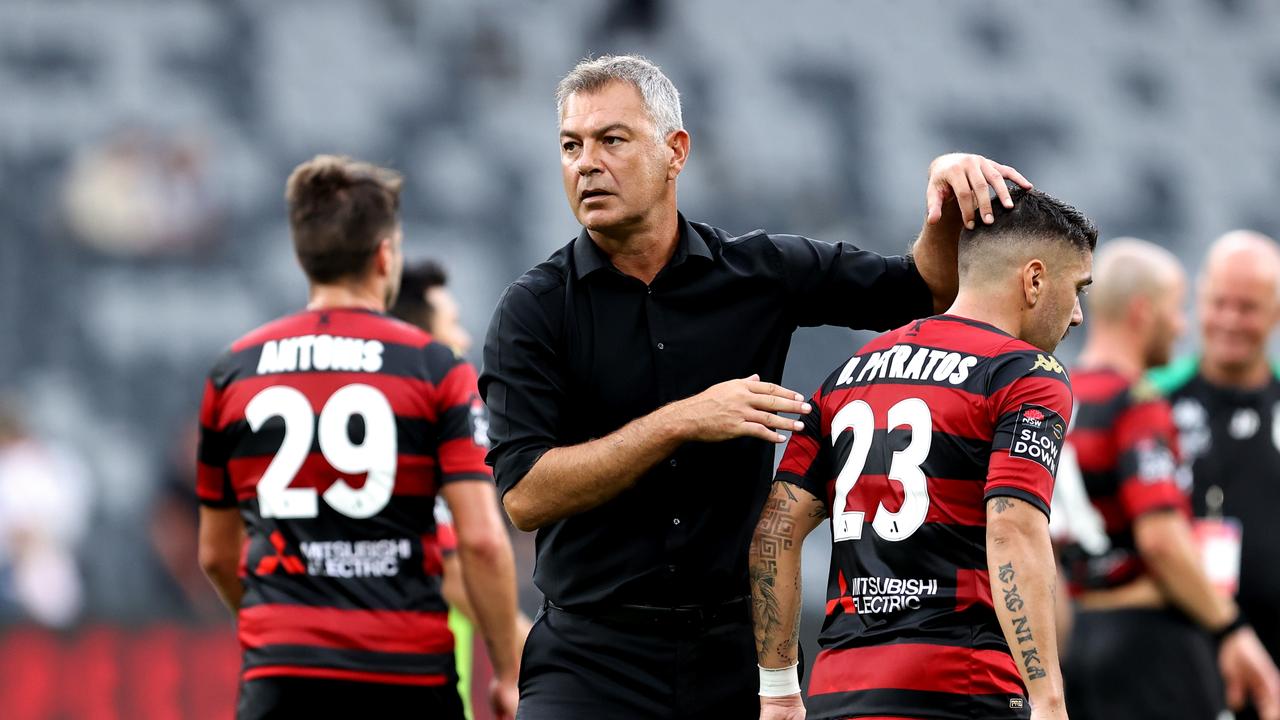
x=45 y=503
x=425 y=301
x=1152 y=631
x=632 y=383
x=338 y=597
x=1226 y=405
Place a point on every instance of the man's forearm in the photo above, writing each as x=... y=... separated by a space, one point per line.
x=1165 y=543
x=1023 y=578
x=573 y=479
x=488 y=573
x=936 y=253
x=229 y=586
x=774 y=568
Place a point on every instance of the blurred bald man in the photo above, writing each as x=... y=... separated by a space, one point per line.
x=1142 y=645
x=1226 y=404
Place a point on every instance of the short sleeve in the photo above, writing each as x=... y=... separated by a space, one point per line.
x=446 y=537
x=1031 y=405
x=806 y=462
x=838 y=284
x=213 y=483
x=1147 y=461
x=463 y=425
x=522 y=384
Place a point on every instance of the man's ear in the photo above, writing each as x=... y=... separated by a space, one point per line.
x=1033 y=281
x=678 y=144
x=385 y=256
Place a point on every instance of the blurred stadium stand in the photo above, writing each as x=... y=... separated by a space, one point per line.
x=144 y=146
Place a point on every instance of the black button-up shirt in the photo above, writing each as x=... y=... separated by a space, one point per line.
x=576 y=349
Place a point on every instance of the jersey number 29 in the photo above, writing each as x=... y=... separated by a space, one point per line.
x=376 y=456
x=846 y=523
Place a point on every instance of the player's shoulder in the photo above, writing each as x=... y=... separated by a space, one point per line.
x=545 y=277
x=1018 y=360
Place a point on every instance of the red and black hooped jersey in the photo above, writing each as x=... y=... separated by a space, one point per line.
x=332 y=431
x=1125 y=444
x=906 y=442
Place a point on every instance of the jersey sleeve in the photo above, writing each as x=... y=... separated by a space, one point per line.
x=445 y=535
x=806 y=463
x=213 y=483
x=1031 y=407
x=463 y=428
x=1147 y=461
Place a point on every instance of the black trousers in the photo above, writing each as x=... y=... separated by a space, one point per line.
x=580 y=666
x=293 y=697
x=1141 y=665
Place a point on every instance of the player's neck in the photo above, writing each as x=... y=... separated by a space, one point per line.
x=1114 y=349
x=331 y=297
x=1244 y=377
x=642 y=251
x=983 y=306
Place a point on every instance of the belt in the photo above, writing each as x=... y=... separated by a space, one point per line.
x=653 y=615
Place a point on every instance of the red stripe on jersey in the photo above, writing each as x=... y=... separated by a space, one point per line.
x=1039 y=389
x=954 y=502
x=335 y=674
x=342 y=322
x=1095 y=449
x=462 y=456
x=973 y=587
x=415 y=475
x=433 y=549
x=921 y=667
x=1097 y=386
x=389 y=631
x=951 y=335
x=408 y=397
x=966 y=413
x=1138 y=497
x=210 y=482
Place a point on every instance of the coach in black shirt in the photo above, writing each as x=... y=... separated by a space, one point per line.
x=631 y=380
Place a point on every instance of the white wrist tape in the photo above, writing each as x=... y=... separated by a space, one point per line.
x=779 y=682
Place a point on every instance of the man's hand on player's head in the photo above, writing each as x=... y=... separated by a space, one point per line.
x=737 y=408
x=1249 y=674
x=787 y=707
x=968 y=180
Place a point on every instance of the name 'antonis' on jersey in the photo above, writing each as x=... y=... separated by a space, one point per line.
x=320 y=352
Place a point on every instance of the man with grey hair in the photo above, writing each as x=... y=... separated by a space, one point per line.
x=1226 y=404
x=632 y=380
x=1147 y=611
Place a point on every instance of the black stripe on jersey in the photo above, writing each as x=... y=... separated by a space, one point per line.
x=414 y=436
x=1101 y=484
x=976 y=628
x=455 y=422
x=420 y=363
x=215 y=447
x=422 y=593
x=913 y=703
x=1094 y=415
x=1010 y=367
x=951 y=457
x=363 y=660
x=1023 y=495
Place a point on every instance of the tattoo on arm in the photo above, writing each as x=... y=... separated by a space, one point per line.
x=1001 y=504
x=1013 y=602
x=775 y=534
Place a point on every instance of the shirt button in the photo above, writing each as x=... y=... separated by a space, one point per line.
x=675 y=521
x=661 y=346
x=673 y=462
x=671 y=568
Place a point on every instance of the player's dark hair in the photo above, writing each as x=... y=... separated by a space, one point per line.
x=1034 y=215
x=339 y=208
x=412 y=305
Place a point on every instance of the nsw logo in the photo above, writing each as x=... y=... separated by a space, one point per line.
x=1033 y=417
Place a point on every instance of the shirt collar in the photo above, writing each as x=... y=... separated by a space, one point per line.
x=588 y=257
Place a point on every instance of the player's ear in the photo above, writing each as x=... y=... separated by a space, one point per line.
x=1033 y=281
x=385 y=256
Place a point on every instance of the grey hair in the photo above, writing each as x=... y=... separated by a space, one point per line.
x=661 y=99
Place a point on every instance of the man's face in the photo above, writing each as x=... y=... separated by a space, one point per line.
x=1168 y=322
x=614 y=170
x=1067 y=273
x=1238 y=310
x=446 y=322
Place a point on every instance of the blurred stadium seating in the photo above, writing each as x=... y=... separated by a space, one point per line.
x=144 y=146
